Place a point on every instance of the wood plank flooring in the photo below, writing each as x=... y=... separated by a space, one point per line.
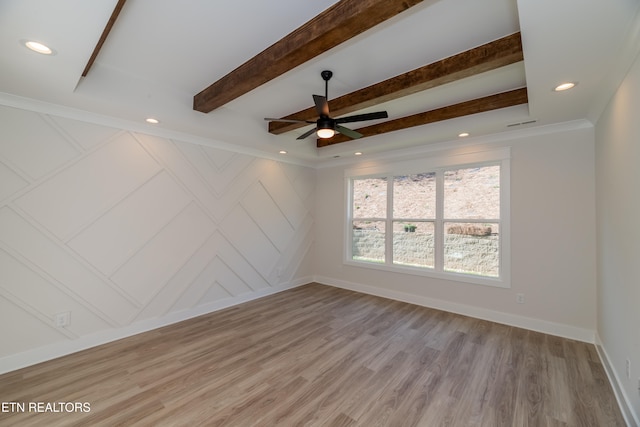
x=322 y=356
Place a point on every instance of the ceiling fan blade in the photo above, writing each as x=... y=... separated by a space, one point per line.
x=306 y=134
x=363 y=117
x=348 y=132
x=271 y=119
x=322 y=106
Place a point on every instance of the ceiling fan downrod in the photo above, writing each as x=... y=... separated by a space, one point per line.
x=326 y=76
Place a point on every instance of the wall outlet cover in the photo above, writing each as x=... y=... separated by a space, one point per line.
x=63 y=319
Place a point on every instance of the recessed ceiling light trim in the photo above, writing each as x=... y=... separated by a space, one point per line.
x=565 y=86
x=152 y=120
x=37 y=47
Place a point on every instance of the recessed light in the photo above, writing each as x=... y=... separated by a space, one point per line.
x=357 y=153
x=38 y=47
x=463 y=134
x=564 y=86
x=282 y=152
x=152 y=120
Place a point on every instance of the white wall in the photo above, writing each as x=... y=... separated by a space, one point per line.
x=618 y=225
x=129 y=232
x=552 y=239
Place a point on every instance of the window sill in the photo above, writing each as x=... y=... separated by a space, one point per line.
x=496 y=282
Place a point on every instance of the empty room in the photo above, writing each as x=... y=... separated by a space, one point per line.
x=319 y=213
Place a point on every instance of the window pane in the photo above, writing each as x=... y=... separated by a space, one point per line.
x=413 y=244
x=472 y=248
x=367 y=241
x=472 y=193
x=414 y=196
x=370 y=198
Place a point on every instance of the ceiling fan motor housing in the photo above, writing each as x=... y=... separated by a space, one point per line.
x=326 y=123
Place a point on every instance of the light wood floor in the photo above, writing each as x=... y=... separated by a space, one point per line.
x=322 y=356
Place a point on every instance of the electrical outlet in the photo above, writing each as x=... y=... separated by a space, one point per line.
x=628 y=367
x=63 y=319
x=520 y=298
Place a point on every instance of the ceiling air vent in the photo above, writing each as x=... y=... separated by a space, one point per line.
x=521 y=123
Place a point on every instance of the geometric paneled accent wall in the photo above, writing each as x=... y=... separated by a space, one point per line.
x=119 y=227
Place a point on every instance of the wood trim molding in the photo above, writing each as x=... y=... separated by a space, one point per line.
x=489 y=56
x=103 y=37
x=337 y=24
x=474 y=106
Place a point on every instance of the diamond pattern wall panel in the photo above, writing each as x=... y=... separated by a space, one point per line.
x=130 y=224
x=119 y=227
x=10 y=182
x=80 y=193
x=149 y=269
x=50 y=258
x=31 y=144
x=14 y=339
x=267 y=215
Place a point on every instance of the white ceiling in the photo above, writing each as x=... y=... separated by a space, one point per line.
x=161 y=53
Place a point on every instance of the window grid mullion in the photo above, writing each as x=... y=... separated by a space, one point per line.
x=439 y=224
x=388 y=259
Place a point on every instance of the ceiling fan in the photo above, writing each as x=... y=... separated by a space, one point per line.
x=326 y=126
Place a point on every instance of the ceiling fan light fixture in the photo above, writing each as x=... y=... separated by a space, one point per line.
x=326 y=128
x=325 y=133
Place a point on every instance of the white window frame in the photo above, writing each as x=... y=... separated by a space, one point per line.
x=499 y=157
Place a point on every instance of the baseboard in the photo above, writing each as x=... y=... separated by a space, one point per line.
x=632 y=419
x=538 y=325
x=42 y=354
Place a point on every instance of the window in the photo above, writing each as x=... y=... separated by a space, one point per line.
x=448 y=221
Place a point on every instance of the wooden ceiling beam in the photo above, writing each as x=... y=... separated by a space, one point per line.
x=479 y=105
x=496 y=54
x=337 y=24
x=105 y=33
